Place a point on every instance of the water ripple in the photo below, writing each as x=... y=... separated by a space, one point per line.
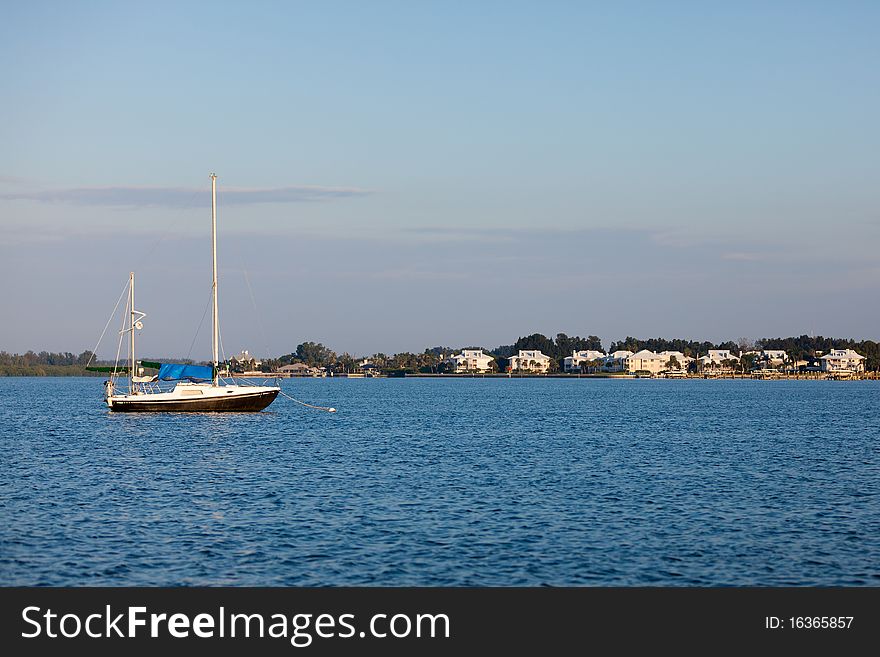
x=448 y=482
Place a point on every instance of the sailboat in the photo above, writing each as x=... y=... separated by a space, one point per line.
x=180 y=387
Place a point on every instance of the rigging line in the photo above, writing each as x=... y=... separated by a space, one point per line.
x=109 y=319
x=198 y=330
x=175 y=219
x=247 y=280
x=329 y=409
x=222 y=350
x=266 y=379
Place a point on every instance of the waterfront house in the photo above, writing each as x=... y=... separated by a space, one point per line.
x=683 y=361
x=579 y=361
x=298 y=369
x=371 y=369
x=774 y=357
x=646 y=361
x=616 y=361
x=812 y=363
x=245 y=360
x=530 y=360
x=842 y=360
x=718 y=359
x=769 y=358
x=470 y=360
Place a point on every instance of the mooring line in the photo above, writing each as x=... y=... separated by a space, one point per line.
x=329 y=409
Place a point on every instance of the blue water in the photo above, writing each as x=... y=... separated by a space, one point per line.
x=448 y=482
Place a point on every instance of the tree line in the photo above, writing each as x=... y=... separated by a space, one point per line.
x=430 y=360
x=691 y=348
x=44 y=363
x=806 y=346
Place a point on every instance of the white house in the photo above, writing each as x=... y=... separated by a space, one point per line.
x=470 y=360
x=616 y=361
x=574 y=362
x=530 y=360
x=245 y=357
x=646 y=361
x=716 y=357
x=683 y=361
x=774 y=356
x=766 y=359
x=838 y=360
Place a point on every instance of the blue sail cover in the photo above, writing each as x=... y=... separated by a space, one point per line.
x=179 y=371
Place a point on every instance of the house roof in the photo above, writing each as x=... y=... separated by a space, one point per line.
x=842 y=353
x=646 y=354
x=471 y=353
x=717 y=355
x=294 y=367
x=530 y=353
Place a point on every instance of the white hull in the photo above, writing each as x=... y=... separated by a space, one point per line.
x=198 y=397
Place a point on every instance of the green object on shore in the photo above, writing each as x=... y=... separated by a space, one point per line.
x=122 y=368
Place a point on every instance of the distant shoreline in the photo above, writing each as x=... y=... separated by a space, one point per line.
x=58 y=371
x=810 y=376
x=801 y=357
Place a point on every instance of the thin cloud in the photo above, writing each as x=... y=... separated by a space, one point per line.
x=678 y=239
x=743 y=256
x=13 y=180
x=177 y=197
x=521 y=235
x=21 y=236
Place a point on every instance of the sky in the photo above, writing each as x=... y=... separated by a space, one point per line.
x=396 y=175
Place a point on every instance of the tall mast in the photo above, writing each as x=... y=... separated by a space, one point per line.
x=215 y=334
x=131 y=331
